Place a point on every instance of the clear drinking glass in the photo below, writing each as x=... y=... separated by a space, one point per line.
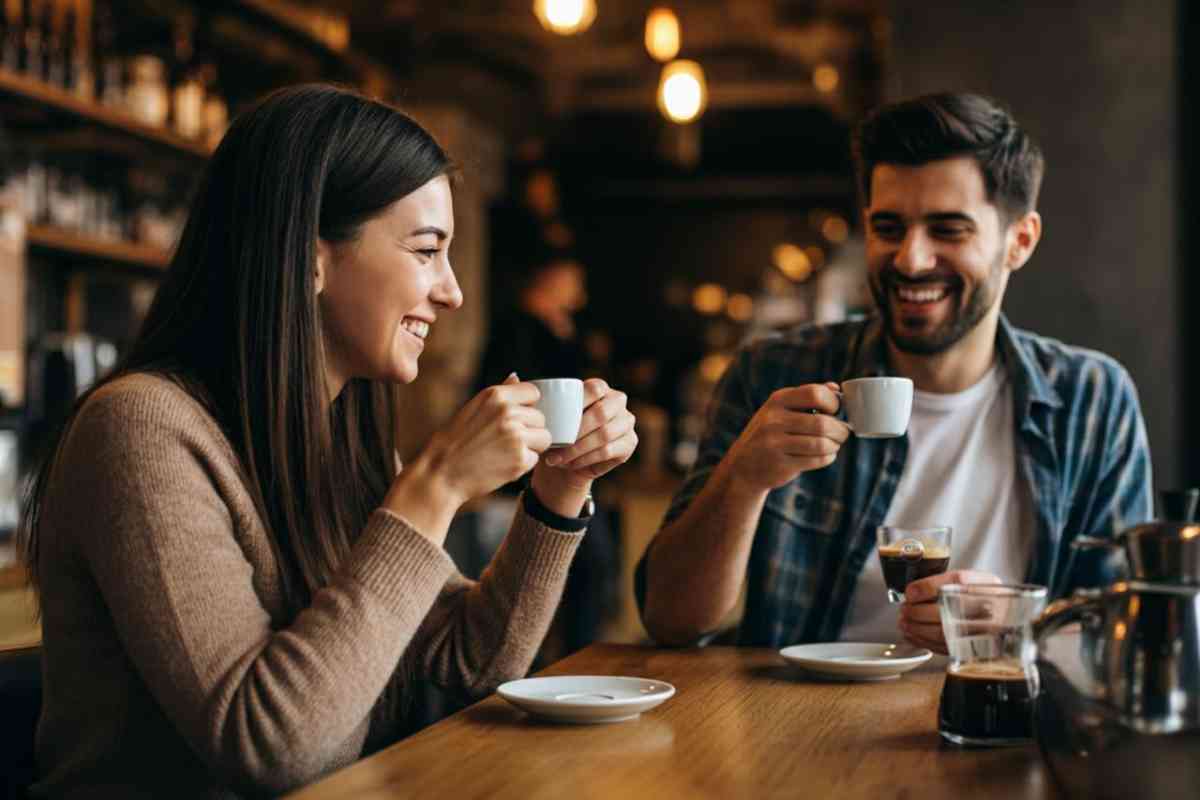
x=910 y=554
x=991 y=680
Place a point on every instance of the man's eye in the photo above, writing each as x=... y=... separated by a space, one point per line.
x=951 y=231
x=888 y=231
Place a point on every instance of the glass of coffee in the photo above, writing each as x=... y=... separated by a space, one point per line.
x=910 y=554
x=992 y=679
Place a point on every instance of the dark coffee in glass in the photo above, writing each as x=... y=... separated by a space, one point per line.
x=988 y=703
x=903 y=563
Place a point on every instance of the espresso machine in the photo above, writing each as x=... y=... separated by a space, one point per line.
x=1118 y=714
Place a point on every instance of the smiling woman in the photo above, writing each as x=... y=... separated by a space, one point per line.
x=238 y=586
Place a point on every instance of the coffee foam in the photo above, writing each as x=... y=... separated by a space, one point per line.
x=895 y=550
x=990 y=671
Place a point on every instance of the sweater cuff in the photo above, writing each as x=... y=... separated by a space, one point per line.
x=534 y=508
x=535 y=552
x=398 y=564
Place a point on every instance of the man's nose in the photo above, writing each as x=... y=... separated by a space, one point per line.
x=917 y=253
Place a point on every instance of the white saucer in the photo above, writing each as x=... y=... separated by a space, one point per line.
x=853 y=661
x=585 y=698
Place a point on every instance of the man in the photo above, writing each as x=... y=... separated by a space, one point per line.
x=1018 y=442
x=538 y=339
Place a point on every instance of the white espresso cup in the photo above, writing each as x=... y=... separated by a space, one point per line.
x=878 y=408
x=562 y=405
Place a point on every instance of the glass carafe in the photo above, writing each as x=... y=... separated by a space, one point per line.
x=992 y=679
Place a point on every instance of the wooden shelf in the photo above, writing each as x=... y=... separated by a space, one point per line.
x=69 y=242
x=63 y=102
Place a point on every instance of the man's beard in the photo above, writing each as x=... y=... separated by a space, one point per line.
x=961 y=321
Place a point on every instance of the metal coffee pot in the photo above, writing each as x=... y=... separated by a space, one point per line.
x=1118 y=714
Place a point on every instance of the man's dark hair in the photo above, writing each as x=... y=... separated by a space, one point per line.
x=939 y=126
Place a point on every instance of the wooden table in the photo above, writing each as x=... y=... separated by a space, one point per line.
x=742 y=724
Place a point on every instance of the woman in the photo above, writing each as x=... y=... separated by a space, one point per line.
x=237 y=585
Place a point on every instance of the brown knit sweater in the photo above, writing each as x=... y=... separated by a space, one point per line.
x=171 y=666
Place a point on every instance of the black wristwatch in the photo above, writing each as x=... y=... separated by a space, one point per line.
x=535 y=508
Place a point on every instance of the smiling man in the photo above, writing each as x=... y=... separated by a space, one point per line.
x=1019 y=442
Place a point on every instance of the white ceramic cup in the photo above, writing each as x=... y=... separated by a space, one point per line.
x=562 y=405
x=878 y=408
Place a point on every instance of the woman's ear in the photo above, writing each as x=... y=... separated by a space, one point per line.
x=323 y=257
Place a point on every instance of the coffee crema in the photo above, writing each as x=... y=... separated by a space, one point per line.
x=989 y=702
x=903 y=563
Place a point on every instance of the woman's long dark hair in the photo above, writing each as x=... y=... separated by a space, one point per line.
x=236 y=320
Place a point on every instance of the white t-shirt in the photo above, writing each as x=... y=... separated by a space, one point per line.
x=961 y=471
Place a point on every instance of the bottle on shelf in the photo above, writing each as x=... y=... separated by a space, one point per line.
x=187 y=93
x=81 y=71
x=13 y=43
x=57 y=42
x=216 y=112
x=112 y=70
x=35 y=42
x=146 y=97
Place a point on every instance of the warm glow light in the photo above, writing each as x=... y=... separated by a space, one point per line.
x=825 y=77
x=835 y=229
x=712 y=367
x=792 y=261
x=815 y=255
x=565 y=17
x=709 y=298
x=662 y=34
x=740 y=307
x=682 y=93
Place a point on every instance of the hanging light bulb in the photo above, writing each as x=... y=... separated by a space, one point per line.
x=565 y=17
x=662 y=34
x=682 y=92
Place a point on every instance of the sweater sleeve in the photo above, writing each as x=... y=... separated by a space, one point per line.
x=482 y=633
x=266 y=708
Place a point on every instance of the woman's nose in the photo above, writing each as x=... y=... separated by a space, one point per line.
x=447 y=292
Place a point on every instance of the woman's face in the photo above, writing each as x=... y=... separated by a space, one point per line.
x=381 y=292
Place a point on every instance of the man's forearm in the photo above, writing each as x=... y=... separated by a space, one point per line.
x=695 y=565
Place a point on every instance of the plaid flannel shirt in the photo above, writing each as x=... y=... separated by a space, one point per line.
x=1081 y=447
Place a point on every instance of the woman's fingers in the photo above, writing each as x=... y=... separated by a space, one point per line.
x=613 y=453
x=589 y=449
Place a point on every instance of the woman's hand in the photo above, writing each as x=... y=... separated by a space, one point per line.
x=563 y=477
x=496 y=438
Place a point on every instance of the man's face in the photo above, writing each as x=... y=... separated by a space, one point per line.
x=936 y=252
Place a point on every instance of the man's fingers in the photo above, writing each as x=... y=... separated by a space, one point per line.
x=926 y=589
x=810 y=397
x=921 y=613
x=927 y=636
x=821 y=425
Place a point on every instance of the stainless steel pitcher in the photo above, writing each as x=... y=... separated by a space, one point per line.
x=1118 y=714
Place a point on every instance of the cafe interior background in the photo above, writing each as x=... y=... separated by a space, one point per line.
x=692 y=155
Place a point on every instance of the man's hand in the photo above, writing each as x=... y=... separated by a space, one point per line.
x=794 y=432
x=920 y=619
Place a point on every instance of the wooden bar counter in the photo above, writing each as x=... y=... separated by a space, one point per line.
x=742 y=724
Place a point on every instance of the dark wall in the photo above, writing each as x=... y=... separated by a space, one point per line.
x=1189 y=298
x=1098 y=85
